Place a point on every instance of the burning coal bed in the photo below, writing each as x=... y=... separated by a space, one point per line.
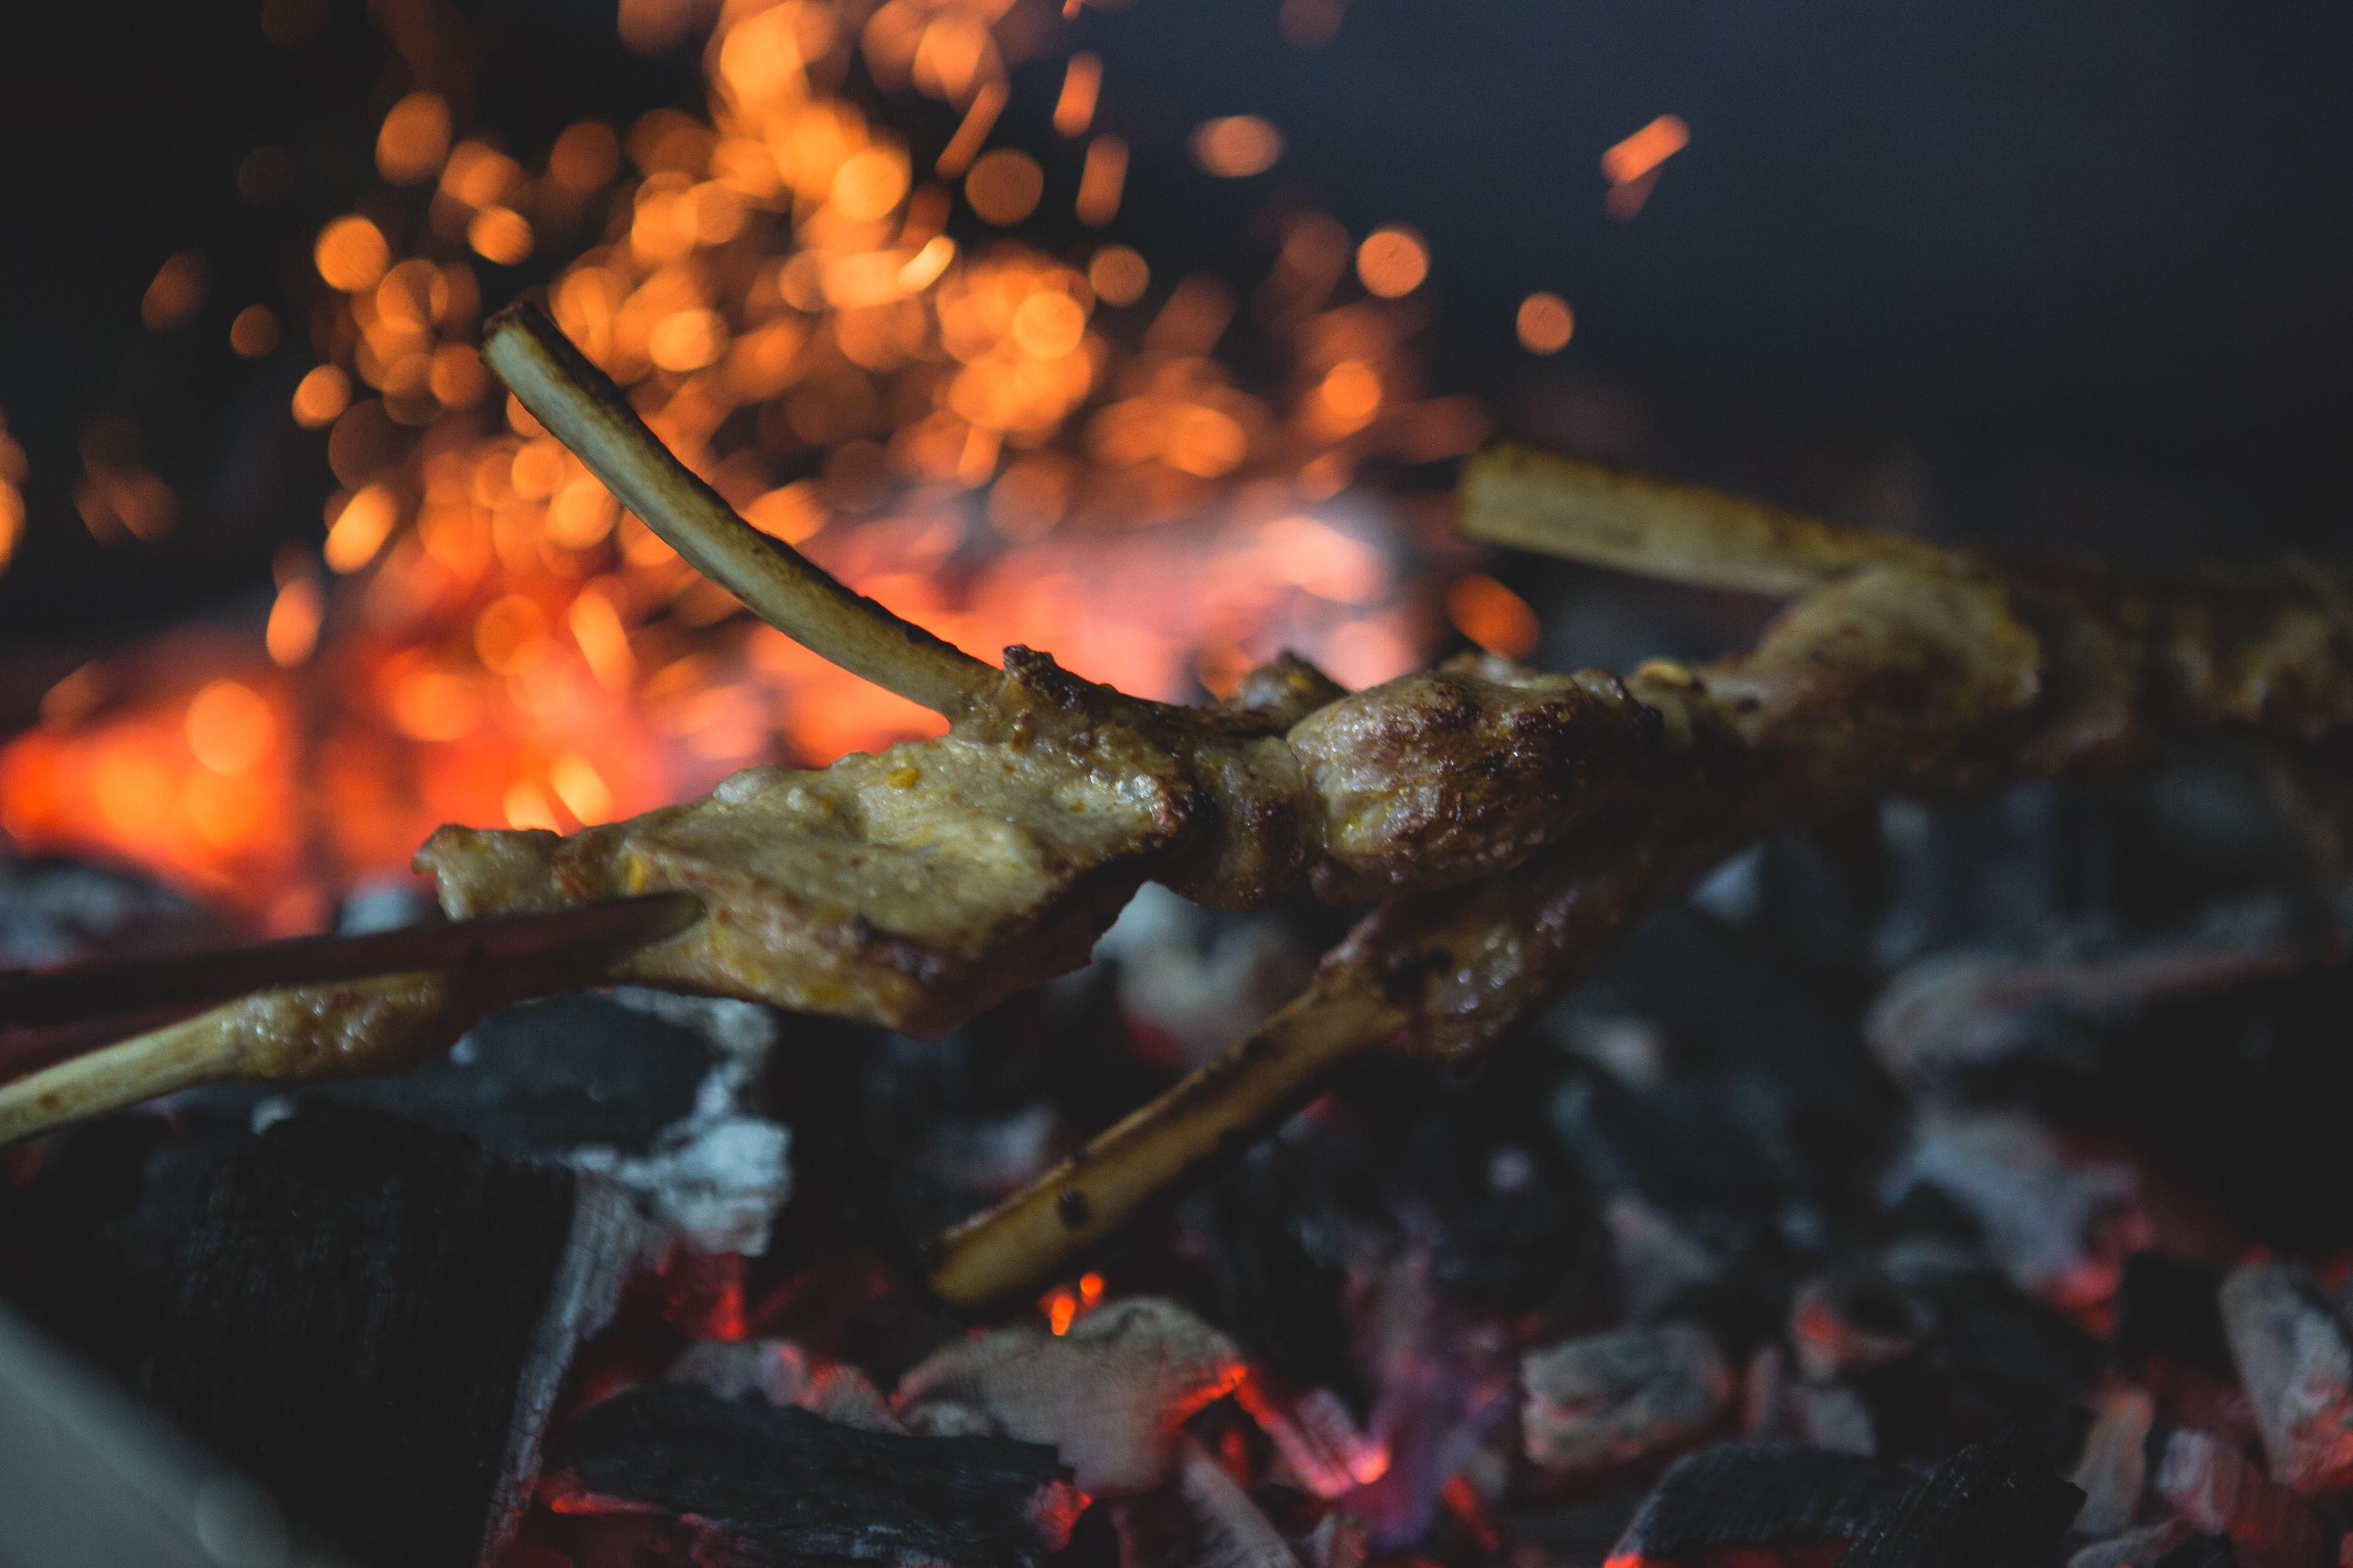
x=1965 y=1188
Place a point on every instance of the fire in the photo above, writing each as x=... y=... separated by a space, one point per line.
x=1006 y=444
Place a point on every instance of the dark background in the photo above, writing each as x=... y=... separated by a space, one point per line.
x=2006 y=268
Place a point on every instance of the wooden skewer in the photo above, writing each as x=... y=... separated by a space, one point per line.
x=582 y=407
x=383 y=1022
x=1559 y=506
x=1211 y=1116
x=34 y=997
x=1525 y=936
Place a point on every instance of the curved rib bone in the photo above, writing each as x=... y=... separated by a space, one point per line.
x=582 y=409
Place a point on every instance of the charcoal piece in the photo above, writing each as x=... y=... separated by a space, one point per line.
x=551 y=1076
x=790 y=1485
x=1111 y=1394
x=2296 y=1359
x=1279 y=1300
x=1202 y=1519
x=2215 y=1488
x=55 y=910
x=2056 y=1225
x=1611 y=1399
x=2242 y=1091
x=1999 y=1355
x=2114 y=1469
x=2170 y=1312
x=1760 y=1495
x=2201 y=1551
x=647 y=1089
x=369 y=1318
x=1995 y=1504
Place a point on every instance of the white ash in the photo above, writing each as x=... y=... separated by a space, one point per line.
x=1828 y=1415
x=609 y=1243
x=1338 y=1541
x=1954 y=1013
x=1201 y=1518
x=1633 y=1050
x=1735 y=890
x=2115 y=1467
x=992 y=1158
x=1110 y=1394
x=1657 y=1259
x=1201 y=979
x=2060 y=1227
x=1832 y=1332
x=716 y=1179
x=1821 y=1414
x=1608 y=1399
x=2217 y=1490
x=2295 y=1361
x=781 y=1372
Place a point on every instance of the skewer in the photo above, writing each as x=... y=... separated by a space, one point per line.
x=1887 y=681
x=1556 y=505
x=29 y=998
x=1531 y=932
x=1225 y=1106
x=584 y=409
x=382 y=1023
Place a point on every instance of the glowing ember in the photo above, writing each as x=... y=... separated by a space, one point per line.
x=12 y=495
x=1081 y=84
x=1237 y=146
x=171 y=301
x=1545 y=323
x=1392 y=262
x=1631 y=166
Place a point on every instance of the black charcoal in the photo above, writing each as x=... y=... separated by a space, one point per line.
x=370 y=1318
x=1762 y=1494
x=1995 y=1504
x=789 y=1485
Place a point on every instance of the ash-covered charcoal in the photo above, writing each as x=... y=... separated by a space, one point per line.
x=2059 y=1226
x=1111 y=1395
x=2296 y=1360
x=1981 y=1017
x=1760 y=1496
x=1198 y=978
x=548 y=1077
x=652 y=1092
x=370 y=1318
x=2114 y=1469
x=2210 y=1487
x=781 y=1373
x=55 y=910
x=1852 y=1318
x=785 y=1486
x=1995 y=1355
x=1611 y=1399
x=1202 y=1519
x=2238 y=1089
x=2004 y=869
x=1995 y=1504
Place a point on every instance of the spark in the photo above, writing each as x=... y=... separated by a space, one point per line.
x=1545 y=323
x=1631 y=166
